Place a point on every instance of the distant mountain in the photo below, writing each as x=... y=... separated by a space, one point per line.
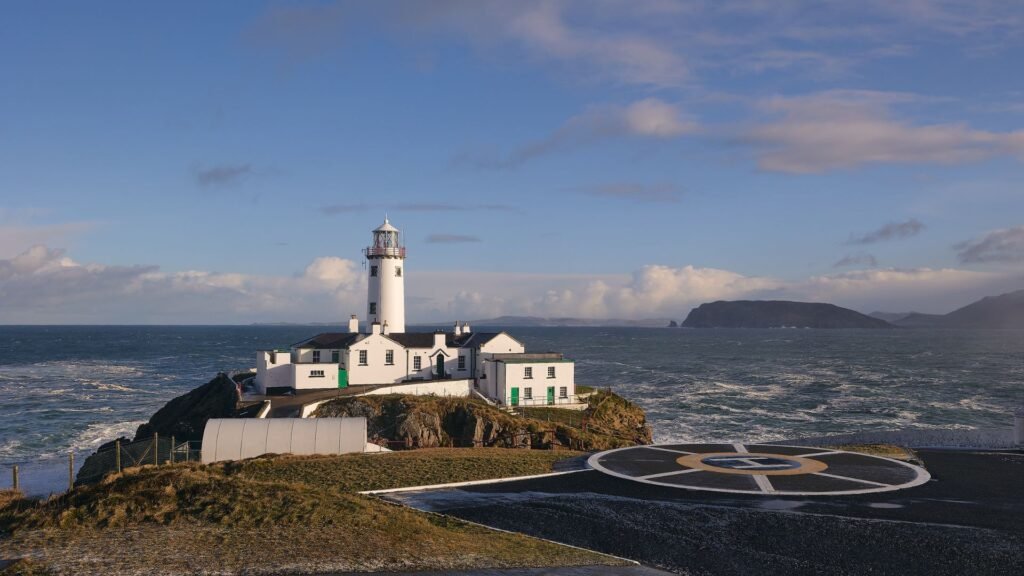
x=1003 y=311
x=777 y=314
x=890 y=317
x=513 y=321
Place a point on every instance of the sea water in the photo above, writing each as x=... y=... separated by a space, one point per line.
x=70 y=388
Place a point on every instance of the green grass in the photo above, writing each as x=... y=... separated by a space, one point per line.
x=275 y=515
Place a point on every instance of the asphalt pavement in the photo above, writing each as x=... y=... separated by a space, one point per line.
x=968 y=519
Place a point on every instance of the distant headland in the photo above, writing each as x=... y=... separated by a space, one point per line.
x=777 y=314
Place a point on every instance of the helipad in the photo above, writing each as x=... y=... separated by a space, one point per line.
x=759 y=469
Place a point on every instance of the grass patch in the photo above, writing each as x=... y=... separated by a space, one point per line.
x=358 y=472
x=887 y=450
x=275 y=515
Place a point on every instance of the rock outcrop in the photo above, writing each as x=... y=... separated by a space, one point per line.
x=427 y=421
x=183 y=418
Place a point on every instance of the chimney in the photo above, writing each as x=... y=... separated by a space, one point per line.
x=465 y=328
x=458 y=328
x=440 y=340
x=375 y=328
x=353 y=324
x=385 y=329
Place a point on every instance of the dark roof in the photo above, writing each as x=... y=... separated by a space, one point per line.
x=426 y=339
x=330 y=340
x=406 y=339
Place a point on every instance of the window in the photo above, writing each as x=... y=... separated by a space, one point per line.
x=373 y=308
x=417 y=362
x=563 y=392
x=528 y=373
x=335 y=356
x=389 y=357
x=462 y=362
x=551 y=371
x=316 y=356
x=528 y=393
x=362 y=357
x=398 y=271
x=316 y=373
x=373 y=270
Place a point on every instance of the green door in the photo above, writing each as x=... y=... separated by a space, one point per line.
x=551 y=394
x=342 y=378
x=515 y=396
x=440 y=366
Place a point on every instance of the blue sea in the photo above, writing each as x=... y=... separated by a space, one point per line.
x=70 y=388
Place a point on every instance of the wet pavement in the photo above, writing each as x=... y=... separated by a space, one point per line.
x=967 y=519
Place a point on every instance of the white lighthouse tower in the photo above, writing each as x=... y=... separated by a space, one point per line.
x=385 y=297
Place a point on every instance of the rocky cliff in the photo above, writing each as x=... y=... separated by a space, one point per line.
x=777 y=314
x=427 y=421
x=184 y=418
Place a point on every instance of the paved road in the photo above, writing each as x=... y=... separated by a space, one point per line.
x=566 y=571
x=968 y=520
x=290 y=406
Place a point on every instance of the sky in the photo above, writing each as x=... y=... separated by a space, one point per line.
x=225 y=162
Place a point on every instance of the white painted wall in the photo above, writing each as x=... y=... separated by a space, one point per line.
x=512 y=375
x=429 y=387
x=304 y=379
x=387 y=289
x=273 y=374
x=376 y=371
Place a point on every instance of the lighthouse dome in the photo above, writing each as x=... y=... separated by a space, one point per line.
x=386 y=227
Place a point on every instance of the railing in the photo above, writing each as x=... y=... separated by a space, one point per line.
x=380 y=251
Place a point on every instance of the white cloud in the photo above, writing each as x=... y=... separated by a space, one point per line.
x=843 y=129
x=16 y=238
x=43 y=285
x=649 y=118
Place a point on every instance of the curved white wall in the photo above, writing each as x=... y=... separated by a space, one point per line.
x=387 y=289
x=240 y=438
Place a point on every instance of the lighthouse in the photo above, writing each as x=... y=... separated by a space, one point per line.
x=385 y=298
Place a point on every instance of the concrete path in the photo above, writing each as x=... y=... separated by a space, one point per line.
x=290 y=406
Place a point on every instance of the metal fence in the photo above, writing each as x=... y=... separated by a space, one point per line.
x=56 y=475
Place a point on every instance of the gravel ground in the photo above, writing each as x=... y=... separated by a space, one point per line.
x=968 y=520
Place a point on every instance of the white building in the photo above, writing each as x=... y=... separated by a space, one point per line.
x=493 y=364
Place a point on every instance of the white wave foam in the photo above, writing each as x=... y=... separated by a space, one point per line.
x=96 y=434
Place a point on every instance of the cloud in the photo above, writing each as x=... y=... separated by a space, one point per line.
x=890 y=231
x=451 y=239
x=15 y=238
x=640 y=193
x=856 y=260
x=298 y=33
x=845 y=128
x=1005 y=245
x=650 y=118
x=44 y=285
x=222 y=174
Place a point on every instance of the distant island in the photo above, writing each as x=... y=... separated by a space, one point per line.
x=1003 y=311
x=778 y=314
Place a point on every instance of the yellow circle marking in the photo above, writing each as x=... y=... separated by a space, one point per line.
x=807 y=465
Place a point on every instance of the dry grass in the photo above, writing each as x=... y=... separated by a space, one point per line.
x=357 y=472
x=886 y=450
x=275 y=515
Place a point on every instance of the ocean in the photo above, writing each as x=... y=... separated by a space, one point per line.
x=70 y=388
